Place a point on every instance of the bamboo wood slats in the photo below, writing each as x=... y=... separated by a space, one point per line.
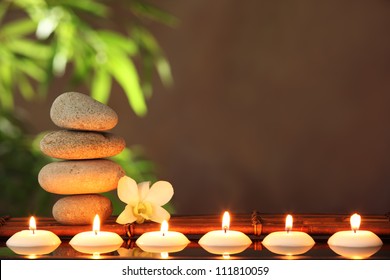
x=255 y=224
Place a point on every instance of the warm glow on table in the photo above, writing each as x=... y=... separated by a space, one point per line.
x=355 y=243
x=288 y=242
x=163 y=241
x=33 y=241
x=96 y=241
x=225 y=241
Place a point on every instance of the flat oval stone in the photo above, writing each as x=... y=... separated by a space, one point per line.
x=69 y=144
x=80 y=176
x=73 y=110
x=81 y=209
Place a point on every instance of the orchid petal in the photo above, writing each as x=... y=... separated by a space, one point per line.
x=127 y=216
x=143 y=190
x=128 y=191
x=159 y=214
x=160 y=193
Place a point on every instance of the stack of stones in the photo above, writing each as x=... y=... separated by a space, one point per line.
x=82 y=146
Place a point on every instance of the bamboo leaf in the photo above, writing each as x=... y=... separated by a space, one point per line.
x=29 y=48
x=18 y=28
x=25 y=87
x=3 y=9
x=152 y=12
x=164 y=71
x=82 y=69
x=149 y=43
x=125 y=73
x=147 y=75
x=89 y=6
x=146 y=40
x=101 y=85
x=83 y=61
x=116 y=40
x=6 y=96
x=30 y=68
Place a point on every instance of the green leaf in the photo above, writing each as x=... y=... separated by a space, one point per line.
x=101 y=85
x=164 y=70
x=3 y=9
x=18 y=28
x=149 y=43
x=29 y=48
x=147 y=10
x=125 y=73
x=116 y=40
x=6 y=96
x=89 y=6
x=147 y=75
x=31 y=69
x=6 y=75
x=25 y=87
x=83 y=61
x=146 y=40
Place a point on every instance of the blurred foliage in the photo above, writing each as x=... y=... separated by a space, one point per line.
x=40 y=39
x=44 y=39
x=19 y=165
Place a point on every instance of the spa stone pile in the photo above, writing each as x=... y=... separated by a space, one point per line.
x=82 y=146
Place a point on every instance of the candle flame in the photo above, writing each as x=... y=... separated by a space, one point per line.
x=164 y=227
x=226 y=221
x=355 y=222
x=96 y=224
x=33 y=224
x=289 y=223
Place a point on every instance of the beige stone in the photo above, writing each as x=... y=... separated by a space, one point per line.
x=80 y=176
x=73 y=110
x=81 y=209
x=68 y=144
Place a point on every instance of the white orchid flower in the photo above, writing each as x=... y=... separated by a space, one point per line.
x=143 y=203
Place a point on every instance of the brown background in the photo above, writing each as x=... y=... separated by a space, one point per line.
x=277 y=106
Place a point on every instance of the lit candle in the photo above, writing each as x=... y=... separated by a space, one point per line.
x=162 y=241
x=288 y=242
x=33 y=241
x=355 y=243
x=96 y=241
x=225 y=241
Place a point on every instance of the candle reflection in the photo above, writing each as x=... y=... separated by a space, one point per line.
x=355 y=243
x=32 y=241
x=96 y=241
x=225 y=241
x=288 y=242
x=163 y=241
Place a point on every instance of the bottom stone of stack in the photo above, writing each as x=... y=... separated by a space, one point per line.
x=81 y=209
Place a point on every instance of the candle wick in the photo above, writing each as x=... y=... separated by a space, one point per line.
x=96 y=232
x=354 y=230
x=163 y=233
x=33 y=231
x=225 y=228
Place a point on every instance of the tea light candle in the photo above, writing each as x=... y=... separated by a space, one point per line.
x=355 y=243
x=96 y=241
x=288 y=242
x=33 y=241
x=162 y=241
x=225 y=241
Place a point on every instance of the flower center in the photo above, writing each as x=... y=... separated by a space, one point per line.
x=143 y=210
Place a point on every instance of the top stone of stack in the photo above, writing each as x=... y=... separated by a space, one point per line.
x=77 y=111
